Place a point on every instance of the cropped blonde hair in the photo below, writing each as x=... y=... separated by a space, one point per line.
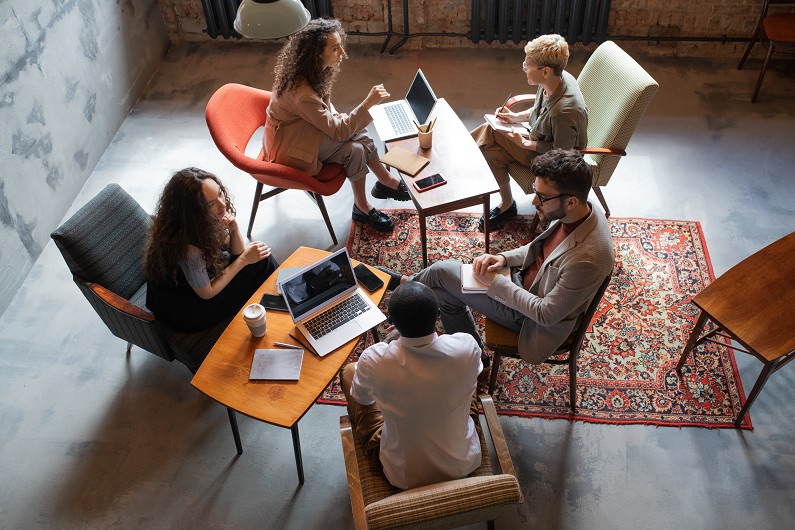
x=549 y=50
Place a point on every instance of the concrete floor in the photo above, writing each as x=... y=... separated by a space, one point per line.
x=91 y=439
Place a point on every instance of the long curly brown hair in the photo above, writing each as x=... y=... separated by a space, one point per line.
x=183 y=218
x=300 y=59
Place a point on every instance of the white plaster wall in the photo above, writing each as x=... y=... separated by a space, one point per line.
x=70 y=71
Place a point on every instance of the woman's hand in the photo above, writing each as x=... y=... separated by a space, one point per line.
x=505 y=115
x=254 y=252
x=377 y=94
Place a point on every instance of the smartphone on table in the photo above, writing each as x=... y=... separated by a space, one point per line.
x=428 y=183
x=273 y=301
x=370 y=281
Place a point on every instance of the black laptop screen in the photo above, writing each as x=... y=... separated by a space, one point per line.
x=321 y=283
x=420 y=97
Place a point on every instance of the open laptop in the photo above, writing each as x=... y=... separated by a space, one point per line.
x=393 y=120
x=327 y=304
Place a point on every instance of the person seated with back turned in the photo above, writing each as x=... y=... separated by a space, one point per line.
x=412 y=398
x=558 y=120
x=554 y=277
x=199 y=270
x=305 y=131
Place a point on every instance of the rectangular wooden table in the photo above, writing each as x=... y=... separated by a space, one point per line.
x=752 y=304
x=457 y=157
x=223 y=375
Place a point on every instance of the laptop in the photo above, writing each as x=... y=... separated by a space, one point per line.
x=393 y=120
x=327 y=305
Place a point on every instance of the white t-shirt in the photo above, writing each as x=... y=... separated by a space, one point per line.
x=424 y=389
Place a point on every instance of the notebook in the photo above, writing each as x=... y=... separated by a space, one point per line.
x=469 y=284
x=327 y=305
x=523 y=128
x=393 y=120
x=404 y=160
x=276 y=364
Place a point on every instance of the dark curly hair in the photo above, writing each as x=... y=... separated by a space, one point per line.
x=183 y=218
x=300 y=59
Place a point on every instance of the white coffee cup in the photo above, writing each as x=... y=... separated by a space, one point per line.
x=254 y=315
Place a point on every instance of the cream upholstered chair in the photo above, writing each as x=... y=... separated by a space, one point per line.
x=482 y=496
x=617 y=91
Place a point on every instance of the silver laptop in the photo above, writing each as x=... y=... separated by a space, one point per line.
x=393 y=120
x=327 y=304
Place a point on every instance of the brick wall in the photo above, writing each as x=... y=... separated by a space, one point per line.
x=641 y=18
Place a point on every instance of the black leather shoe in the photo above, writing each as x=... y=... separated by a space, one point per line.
x=378 y=220
x=394 y=277
x=380 y=191
x=498 y=218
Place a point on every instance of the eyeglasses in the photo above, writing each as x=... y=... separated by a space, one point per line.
x=525 y=68
x=542 y=200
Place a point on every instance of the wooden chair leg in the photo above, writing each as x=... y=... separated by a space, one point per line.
x=748 y=49
x=257 y=199
x=768 y=369
x=762 y=72
x=320 y=204
x=691 y=342
x=495 y=369
x=573 y=381
x=598 y=192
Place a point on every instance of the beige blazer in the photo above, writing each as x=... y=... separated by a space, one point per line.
x=565 y=284
x=296 y=122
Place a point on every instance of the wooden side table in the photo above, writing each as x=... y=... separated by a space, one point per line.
x=752 y=304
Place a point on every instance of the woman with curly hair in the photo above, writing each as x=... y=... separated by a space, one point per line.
x=199 y=270
x=304 y=130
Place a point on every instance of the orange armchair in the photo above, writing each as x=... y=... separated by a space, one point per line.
x=234 y=113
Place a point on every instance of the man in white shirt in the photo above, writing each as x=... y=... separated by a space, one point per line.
x=411 y=398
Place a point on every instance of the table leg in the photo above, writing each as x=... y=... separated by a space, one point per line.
x=424 y=239
x=486 y=208
x=702 y=318
x=235 y=431
x=760 y=382
x=299 y=463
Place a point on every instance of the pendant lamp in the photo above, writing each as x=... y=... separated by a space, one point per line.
x=270 y=19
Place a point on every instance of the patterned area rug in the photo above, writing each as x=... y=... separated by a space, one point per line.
x=626 y=371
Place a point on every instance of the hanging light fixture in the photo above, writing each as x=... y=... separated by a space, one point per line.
x=270 y=19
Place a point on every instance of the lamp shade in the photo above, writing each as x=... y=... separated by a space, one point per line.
x=270 y=19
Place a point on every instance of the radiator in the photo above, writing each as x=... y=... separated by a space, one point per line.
x=582 y=21
x=220 y=15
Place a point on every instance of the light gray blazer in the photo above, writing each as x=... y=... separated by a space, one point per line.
x=565 y=285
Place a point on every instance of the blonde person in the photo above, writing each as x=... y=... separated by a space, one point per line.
x=558 y=120
x=304 y=130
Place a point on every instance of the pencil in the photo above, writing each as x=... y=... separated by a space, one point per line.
x=433 y=123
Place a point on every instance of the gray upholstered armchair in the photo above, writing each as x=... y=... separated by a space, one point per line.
x=103 y=244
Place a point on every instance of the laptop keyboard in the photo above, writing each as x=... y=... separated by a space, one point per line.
x=335 y=317
x=398 y=118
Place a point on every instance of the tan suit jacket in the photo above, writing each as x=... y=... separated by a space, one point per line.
x=296 y=122
x=566 y=283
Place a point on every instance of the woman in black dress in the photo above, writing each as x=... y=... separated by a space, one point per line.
x=199 y=269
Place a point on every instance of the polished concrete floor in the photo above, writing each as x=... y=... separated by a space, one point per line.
x=90 y=438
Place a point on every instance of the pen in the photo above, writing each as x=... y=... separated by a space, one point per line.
x=506 y=100
x=433 y=123
x=285 y=345
x=417 y=125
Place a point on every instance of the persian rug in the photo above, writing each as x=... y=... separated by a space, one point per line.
x=626 y=369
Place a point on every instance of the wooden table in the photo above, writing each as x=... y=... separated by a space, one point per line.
x=224 y=373
x=752 y=304
x=457 y=157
